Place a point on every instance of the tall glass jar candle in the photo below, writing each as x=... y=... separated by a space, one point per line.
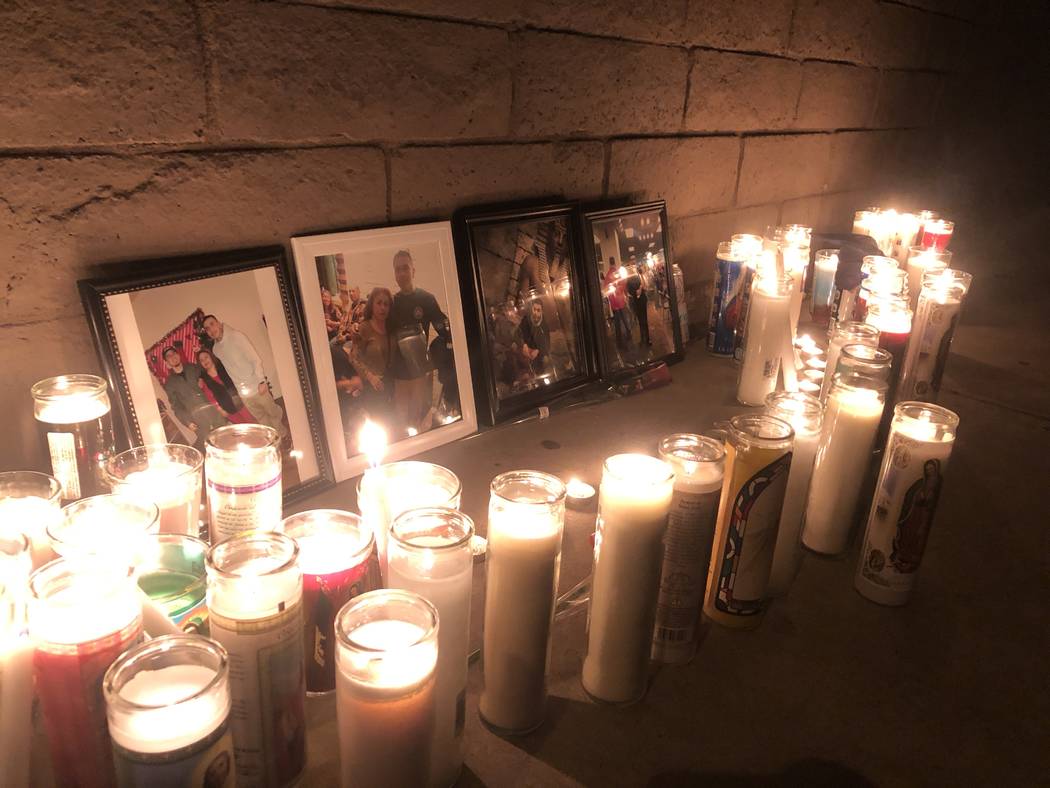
x=171 y=572
x=906 y=496
x=73 y=416
x=903 y=235
x=860 y=359
x=825 y=265
x=255 y=611
x=430 y=554
x=83 y=614
x=921 y=262
x=727 y=301
x=168 y=708
x=243 y=470
x=633 y=503
x=758 y=462
x=16 y=689
x=847 y=438
x=31 y=502
x=793 y=241
x=850 y=333
x=526 y=520
x=937 y=234
x=768 y=333
x=805 y=414
x=337 y=556
x=894 y=321
x=756 y=257
x=168 y=475
x=698 y=463
x=940 y=304
x=387 y=656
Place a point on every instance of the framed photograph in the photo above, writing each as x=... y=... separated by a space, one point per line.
x=635 y=302
x=531 y=312
x=192 y=343
x=385 y=322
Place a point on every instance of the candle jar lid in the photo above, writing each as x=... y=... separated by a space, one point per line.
x=760 y=431
x=853 y=331
x=864 y=360
x=351 y=540
x=234 y=440
x=925 y=421
x=949 y=282
x=803 y=411
x=109 y=527
x=89 y=390
x=162 y=457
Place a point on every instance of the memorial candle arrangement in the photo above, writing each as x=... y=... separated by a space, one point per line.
x=923 y=261
x=243 y=470
x=73 y=417
x=906 y=496
x=825 y=265
x=526 y=519
x=255 y=611
x=31 y=502
x=168 y=475
x=768 y=330
x=16 y=690
x=168 y=709
x=633 y=502
x=430 y=554
x=758 y=462
x=849 y=333
x=387 y=656
x=698 y=463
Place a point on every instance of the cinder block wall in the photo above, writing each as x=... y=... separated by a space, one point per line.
x=156 y=127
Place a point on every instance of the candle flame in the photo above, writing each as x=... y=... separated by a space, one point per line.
x=371 y=441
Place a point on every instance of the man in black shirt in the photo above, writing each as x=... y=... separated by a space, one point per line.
x=187 y=398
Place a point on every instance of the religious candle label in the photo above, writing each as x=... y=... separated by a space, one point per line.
x=235 y=509
x=267 y=686
x=64 y=462
x=207 y=763
x=933 y=348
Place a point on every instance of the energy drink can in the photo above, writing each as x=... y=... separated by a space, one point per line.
x=727 y=302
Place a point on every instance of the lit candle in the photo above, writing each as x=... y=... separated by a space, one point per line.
x=893 y=318
x=255 y=612
x=940 y=304
x=387 y=657
x=923 y=261
x=171 y=572
x=31 y=502
x=883 y=280
x=758 y=258
x=848 y=333
x=825 y=266
x=847 y=439
x=937 y=234
x=727 y=302
x=793 y=241
x=633 y=501
x=809 y=385
x=243 y=471
x=579 y=494
x=430 y=554
x=168 y=708
x=768 y=326
x=906 y=496
x=698 y=463
x=106 y=527
x=903 y=235
x=526 y=518
x=168 y=475
x=16 y=690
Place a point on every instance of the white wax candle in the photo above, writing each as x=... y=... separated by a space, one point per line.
x=114 y=532
x=838 y=341
x=16 y=699
x=825 y=269
x=843 y=454
x=32 y=516
x=633 y=500
x=768 y=324
x=244 y=492
x=73 y=615
x=934 y=325
x=174 y=488
x=796 y=260
x=918 y=265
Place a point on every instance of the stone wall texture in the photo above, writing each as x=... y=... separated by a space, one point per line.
x=158 y=127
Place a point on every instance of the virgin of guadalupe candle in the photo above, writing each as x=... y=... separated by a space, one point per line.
x=940 y=304
x=337 y=556
x=16 y=690
x=31 y=502
x=430 y=554
x=387 y=657
x=906 y=496
x=83 y=614
x=847 y=438
x=168 y=708
x=698 y=463
x=758 y=461
x=73 y=416
x=894 y=321
x=825 y=265
x=171 y=571
x=768 y=327
x=923 y=261
x=526 y=519
x=851 y=333
x=937 y=234
x=805 y=414
x=243 y=470
x=633 y=502
x=255 y=611
x=168 y=475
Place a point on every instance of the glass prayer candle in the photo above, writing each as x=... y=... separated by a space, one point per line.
x=903 y=235
x=255 y=593
x=940 y=304
x=850 y=333
x=825 y=264
x=168 y=475
x=768 y=334
x=894 y=321
x=16 y=564
x=756 y=257
x=633 y=502
x=106 y=527
x=388 y=490
x=921 y=262
x=171 y=572
x=168 y=708
x=793 y=242
x=16 y=689
x=860 y=359
x=698 y=463
x=31 y=502
x=847 y=438
x=83 y=614
x=906 y=496
x=337 y=556
x=430 y=554
x=805 y=414
x=758 y=461
x=73 y=416
x=884 y=286
x=864 y=221
x=526 y=519
x=387 y=656
x=937 y=234
x=727 y=302
x=242 y=467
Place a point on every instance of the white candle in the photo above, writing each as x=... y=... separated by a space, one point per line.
x=243 y=471
x=768 y=327
x=850 y=333
x=846 y=441
x=177 y=719
x=939 y=307
x=904 y=235
x=633 y=502
x=168 y=475
x=920 y=262
x=31 y=503
x=16 y=693
x=108 y=527
x=825 y=266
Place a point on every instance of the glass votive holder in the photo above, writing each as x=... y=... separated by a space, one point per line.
x=242 y=467
x=171 y=571
x=166 y=474
x=31 y=502
x=106 y=527
x=337 y=556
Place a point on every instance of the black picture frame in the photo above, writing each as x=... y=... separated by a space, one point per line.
x=611 y=360
x=492 y=408
x=102 y=294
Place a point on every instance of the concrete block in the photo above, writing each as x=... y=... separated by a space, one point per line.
x=434 y=181
x=859 y=159
x=827 y=213
x=290 y=72
x=781 y=167
x=695 y=239
x=834 y=30
x=951 y=43
x=90 y=73
x=751 y=25
x=899 y=37
x=693 y=175
x=907 y=99
x=741 y=92
x=836 y=96
x=568 y=85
